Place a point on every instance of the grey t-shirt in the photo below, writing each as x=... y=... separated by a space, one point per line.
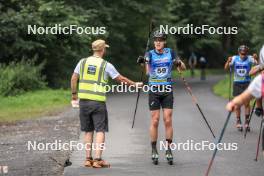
x=110 y=70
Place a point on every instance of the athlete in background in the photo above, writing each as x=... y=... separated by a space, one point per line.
x=192 y=63
x=242 y=65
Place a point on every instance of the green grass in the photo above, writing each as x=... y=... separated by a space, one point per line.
x=187 y=73
x=222 y=87
x=32 y=104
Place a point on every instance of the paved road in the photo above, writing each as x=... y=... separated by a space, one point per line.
x=128 y=149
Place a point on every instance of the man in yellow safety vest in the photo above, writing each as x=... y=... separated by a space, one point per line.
x=92 y=74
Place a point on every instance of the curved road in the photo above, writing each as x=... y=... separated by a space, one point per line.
x=128 y=150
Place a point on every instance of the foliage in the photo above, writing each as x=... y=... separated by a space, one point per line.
x=20 y=77
x=126 y=22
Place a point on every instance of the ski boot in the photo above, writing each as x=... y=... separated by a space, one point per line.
x=155 y=156
x=259 y=112
x=169 y=156
x=238 y=125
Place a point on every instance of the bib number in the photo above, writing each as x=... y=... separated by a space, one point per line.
x=161 y=71
x=241 y=72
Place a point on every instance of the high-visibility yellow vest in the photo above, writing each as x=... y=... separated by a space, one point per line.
x=91 y=79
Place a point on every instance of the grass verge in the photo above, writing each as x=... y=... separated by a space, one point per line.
x=32 y=104
x=222 y=87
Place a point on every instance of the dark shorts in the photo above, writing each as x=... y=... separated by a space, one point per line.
x=239 y=88
x=93 y=116
x=159 y=100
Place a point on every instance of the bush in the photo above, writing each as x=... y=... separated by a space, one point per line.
x=19 y=77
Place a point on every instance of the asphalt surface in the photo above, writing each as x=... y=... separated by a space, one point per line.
x=22 y=160
x=128 y=150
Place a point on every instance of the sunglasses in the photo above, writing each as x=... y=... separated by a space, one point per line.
x=242 y=51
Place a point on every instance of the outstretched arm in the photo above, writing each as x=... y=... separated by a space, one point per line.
x=125 y=80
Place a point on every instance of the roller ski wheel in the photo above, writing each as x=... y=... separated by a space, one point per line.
x=240 y=129
x=169 y=157
x=155 y=157
x=247 y=127
x=155 y=161
x=239 y=125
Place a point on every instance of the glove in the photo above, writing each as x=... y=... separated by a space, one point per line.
x=258 y=112
x=178 y=63
x=229 y=59
x=255 y=56
x=140 y=60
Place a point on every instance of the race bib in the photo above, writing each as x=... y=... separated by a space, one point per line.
x=161 y=71
x=241 y=72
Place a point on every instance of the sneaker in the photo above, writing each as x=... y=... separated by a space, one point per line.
x=88 y=162
x=99 y=163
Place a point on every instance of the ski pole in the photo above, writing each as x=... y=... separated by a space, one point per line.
x=134 y=117
x=151 y=27
x=195 y=101
x=257 y=153
x=251 y=114
x=230 y=82
x=218 y=141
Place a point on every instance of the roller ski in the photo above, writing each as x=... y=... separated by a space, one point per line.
x=169 y=157
x=155 y=157
x=239 y=125
x=246 y=125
